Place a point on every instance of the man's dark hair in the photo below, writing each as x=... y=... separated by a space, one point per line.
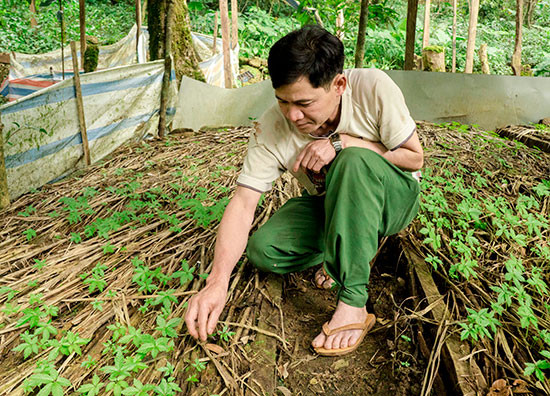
x=310 y=52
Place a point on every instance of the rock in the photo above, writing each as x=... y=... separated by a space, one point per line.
x=500 y=388
x=545 y=121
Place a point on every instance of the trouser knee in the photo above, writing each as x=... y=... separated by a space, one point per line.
x=257 y=252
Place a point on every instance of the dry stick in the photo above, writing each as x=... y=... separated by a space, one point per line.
x=80 y=106
x=82 y=19
x=4 y=193
x=516 y=57
x=426 y=33
x=258 y=330
x=224 y=15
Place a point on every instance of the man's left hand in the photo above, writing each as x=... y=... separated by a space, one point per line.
x=315 y=155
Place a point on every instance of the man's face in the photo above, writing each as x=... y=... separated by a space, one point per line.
x=311 y=110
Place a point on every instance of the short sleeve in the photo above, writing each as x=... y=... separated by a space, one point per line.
x=394 y=120
x=260 y=167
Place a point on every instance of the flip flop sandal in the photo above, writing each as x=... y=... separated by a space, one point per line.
x=365 y=326
x=327 y=277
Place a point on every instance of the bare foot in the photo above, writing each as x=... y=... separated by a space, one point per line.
x=323 y=280
x=344 y=315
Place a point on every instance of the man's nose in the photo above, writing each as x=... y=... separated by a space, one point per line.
x=294 y=113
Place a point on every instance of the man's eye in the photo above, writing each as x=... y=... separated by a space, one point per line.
x=306 y=104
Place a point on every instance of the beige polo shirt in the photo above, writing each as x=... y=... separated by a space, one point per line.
x=373 y=108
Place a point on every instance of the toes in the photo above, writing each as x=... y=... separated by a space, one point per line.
x=346 y=341
x=318 y=341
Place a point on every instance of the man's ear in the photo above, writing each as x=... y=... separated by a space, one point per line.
x=339 y=83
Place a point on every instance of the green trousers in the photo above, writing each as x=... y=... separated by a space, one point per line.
x=366 y=198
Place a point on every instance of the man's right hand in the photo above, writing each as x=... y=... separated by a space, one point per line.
x=204 y=309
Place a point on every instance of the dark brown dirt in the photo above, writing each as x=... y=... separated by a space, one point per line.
x=387 y=363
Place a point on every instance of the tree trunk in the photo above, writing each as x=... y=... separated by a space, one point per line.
x=186 y=61
x=516 y=57
x=472 y=28
x=82 y=19
x=531 y=6
x=426 y=34
x=483 y=59
x=32 y=9
x=412 y=11
x=361 y=35
x=453 y=67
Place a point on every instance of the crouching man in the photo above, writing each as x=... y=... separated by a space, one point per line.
x=348 y=138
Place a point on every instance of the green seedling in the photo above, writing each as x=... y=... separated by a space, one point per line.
x=167 y=327
x=225 y=334
x=167 y=388
x=89 y=363
x=185 y=275
x=154 y=346
x=49 y=383
x=29 y=345
x=138 y=389
x=39 y=264
x=93 y=388
x=98 y=305
x=29 y=234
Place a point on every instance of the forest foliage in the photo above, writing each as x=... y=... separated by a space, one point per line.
x=262 y=22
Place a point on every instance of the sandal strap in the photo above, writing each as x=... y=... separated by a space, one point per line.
x=354 y=326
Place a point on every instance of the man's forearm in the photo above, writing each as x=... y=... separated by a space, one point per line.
x=231 y=240
x=403 y=157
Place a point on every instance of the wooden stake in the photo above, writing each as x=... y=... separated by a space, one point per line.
x=516 y=57
x=412 y=11
x=234 y=24
x=167 y=69
x=82 y=8
x=426 y=34
x=472 y=29
x=224 y=15
x=80 y=105
x=62 y=24
x=138 y=24
x=4 y=193
x=214 y=49
x=453 y=67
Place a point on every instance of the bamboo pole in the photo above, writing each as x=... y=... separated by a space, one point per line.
x=453 y=67
x=167 y=69
x=225 y=41
x=82 y=9
x=426 y=33
x=80 y=105
x=4 y=193
x=214 y=49
x=472 y=28
x=234 y=24
x=412 y=11
x=138 y=24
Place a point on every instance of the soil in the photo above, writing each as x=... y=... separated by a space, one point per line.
x=386 y=363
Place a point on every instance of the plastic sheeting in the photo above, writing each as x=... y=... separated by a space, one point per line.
x=487 y=100
x=212 y=64
x=42 y=140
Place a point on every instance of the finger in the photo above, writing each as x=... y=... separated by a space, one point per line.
x=190 y=319
x=203 y=318
x=299 y=160
x=213 y=320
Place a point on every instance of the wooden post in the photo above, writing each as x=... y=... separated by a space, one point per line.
x=426 y=34
x=32 y=9
x=234 y=24
x=167 y=68
x=80 y=105
x=225 y=41
x=214 y=49
x=340 y=24
x=453 y=67
x=4 y=193
x=82 y=8
x=138 y=24
x=361 y=33
x=472 y=28
x=412 y=11
x=516 y=57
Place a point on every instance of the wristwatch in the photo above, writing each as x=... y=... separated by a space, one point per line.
x=336 y=142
